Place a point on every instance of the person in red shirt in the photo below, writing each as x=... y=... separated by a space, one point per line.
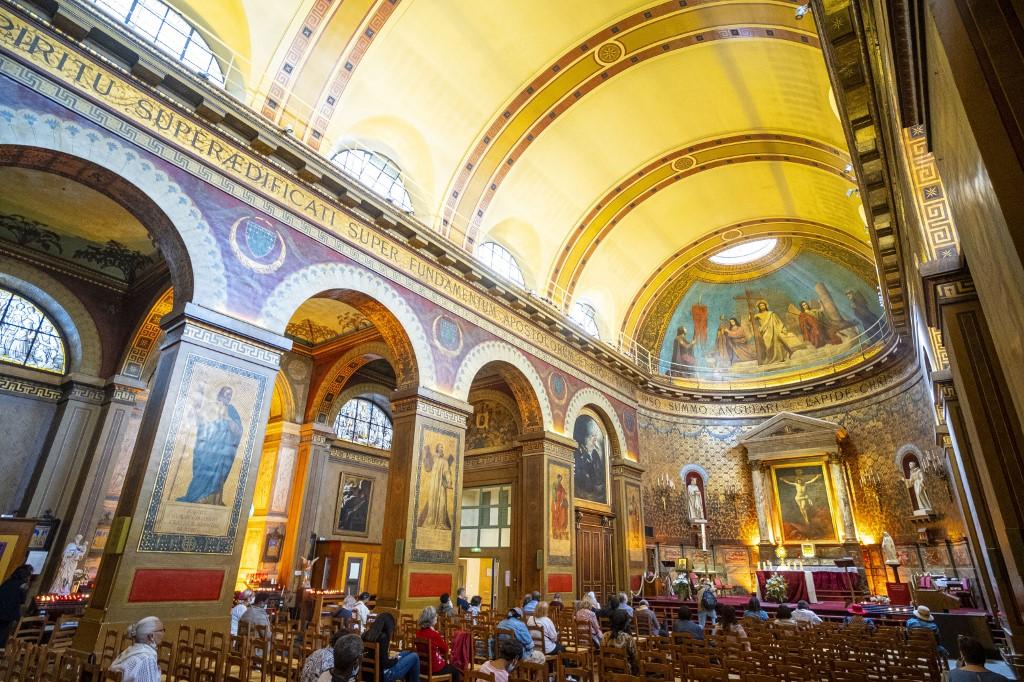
x=439 y=663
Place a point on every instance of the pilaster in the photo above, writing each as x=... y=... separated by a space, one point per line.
x=312 y=451
x=629 y=532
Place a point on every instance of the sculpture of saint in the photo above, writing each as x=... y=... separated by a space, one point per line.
x=307 y=572
x=889 y=550
x=218 y=433
x=438 y=467
x=916 y=481
x=694 y=500
x=772 y=346
x=800 y=496
x=65 y=578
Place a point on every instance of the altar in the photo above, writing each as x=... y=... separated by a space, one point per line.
x=805 y=584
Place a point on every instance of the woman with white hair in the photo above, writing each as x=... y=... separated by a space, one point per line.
x=244 y=600
x=138 y=663
x=440 y=663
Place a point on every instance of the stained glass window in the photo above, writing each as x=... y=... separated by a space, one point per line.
x=164 y=26
x=376 y=172
x=362 y=421
x=498 y=259
x=486 y=517
x=27 y=337
x=585 y=316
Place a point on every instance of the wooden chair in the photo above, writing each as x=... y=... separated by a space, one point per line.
x=531 y=672
x=63 y=632
x=622 y=677
x=700 y=674
x=477 y=676
x=425 y=651
x=30 y=629
x=185 y=635
x=165 y=658
x=578 y=664
x=235 y=668
x=369 y=665
x=183 y=663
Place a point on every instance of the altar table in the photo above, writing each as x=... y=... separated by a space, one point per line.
x=804 y=584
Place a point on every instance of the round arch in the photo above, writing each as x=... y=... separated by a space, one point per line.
x=596 y=401
x=175 y=223
x=362 y=389
x=525 y=382
x=82 y=345
x=694 y=469
x=282 y=401
x=904 y=451
x=380 y=302
x=326 y=402
x=139 y=359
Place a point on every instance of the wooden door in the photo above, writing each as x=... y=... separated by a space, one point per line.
x=595 y=571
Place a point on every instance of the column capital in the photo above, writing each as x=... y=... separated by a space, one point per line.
x=627 y=468
x=83 y=388
x=547 y=443
x=316 y=434
x=427 y=402
x=225 y=334
x=945 y=281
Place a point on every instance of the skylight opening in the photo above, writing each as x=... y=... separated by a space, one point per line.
x=745 y=252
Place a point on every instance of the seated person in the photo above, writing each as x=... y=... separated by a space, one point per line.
x=460 y=600
x=592 y=602
x=445 y=608
x=346 y=610
x=585 y=615
x=320 y=660
x=803 y=614
x=439 y=663
x=404 y=666
x=474 y=605
x=754 y=610
x=619 y=638
x=556 y=601
x=256 y=617
x=547 y=639
x=647 y=620
x=624 y=604
x=684 y=623
x=239 y=608
x=613 y=606
x=348 y=652
x=530 y=603
x=784 y=617
x=857 y=619
x=514 y=622
x=729 y=629
x=510 y=652
x=971 y=666
x=922 y=619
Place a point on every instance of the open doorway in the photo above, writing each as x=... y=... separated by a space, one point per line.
x=477 y=574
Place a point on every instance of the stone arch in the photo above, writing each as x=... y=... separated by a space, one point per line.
x=901 y=456
x=375 y=298
x=139 y=359
x=596 y=401
x=82 y=346
x=363 y=388
x=326 y=402
x=500 y=398
x=525 y=382
x=694 y=469
x=282 y=401
x=177 y=226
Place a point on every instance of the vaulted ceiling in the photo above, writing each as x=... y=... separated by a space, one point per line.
x=608 y=145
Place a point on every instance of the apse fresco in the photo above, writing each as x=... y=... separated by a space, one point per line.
x=799 y=317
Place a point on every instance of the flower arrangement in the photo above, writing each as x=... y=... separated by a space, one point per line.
x=681 y=586
x=775 y=589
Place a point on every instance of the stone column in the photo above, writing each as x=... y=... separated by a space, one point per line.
x=175 y=543
x=993 y=432
x=763 y=502
x=547 y=560
x=629 y=531
x=836 y=470
x=420 y=542
x=313 y=450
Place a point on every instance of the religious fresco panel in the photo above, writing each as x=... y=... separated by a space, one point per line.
x=559 y=514
x=435 y=502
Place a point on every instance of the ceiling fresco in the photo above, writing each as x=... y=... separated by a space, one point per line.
x=319 y=320
x=784 y=316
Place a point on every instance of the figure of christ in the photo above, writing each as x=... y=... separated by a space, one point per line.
x=800 y=496
x=815 y=329
x=771 y=331
x=732 y=344
x=439 y=468
x=559 y=510
x=218 y=434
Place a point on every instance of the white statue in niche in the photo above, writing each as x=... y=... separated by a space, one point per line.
x=65 y=577
x=916 y=481
x=694 y=500
x=889 y=550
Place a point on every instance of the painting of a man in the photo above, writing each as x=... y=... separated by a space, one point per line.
x=771 y=333
x=559 y=510
x=437 y=465
x=732 y=344
x=815 y=328
x=591 y=465
x=354 y=505
x=683 y=354
x=861 y=310
x=218 y=433
x=804 y=507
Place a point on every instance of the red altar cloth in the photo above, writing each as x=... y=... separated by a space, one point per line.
x=796 y=584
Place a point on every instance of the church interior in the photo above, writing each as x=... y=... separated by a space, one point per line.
x=319 y=307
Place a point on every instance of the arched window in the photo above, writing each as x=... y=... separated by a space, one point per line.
x=376 y=172
x=585 y=316
x=27 y=337
x=497 y=258
x=164 y=26
x=362 y=421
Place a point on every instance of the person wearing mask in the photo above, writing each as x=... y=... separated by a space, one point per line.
x=320 y=660
x=404 y=666
x=730 y=629
x=584 y=614
x=445 y=607
x=547 y=639
x=510 y=652
x=971 y=666
x=684 y=623
x=707 y=603
x=514 y=622
x=257 y=618
x=619 y=638
x=138 y=662
x=803 y=614
x=531 y=604
x=624 y=604
x=348 y=652
x=361 y=611
x=439 y=664
x=754 y=610
x=239 y=609
x=12 y=599
x=460 y=600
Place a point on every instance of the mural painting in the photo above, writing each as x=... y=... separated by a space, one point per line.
x=206 y=459
x=804 y=503
x=634 y=524
x=355 y=493
x=435 y=503
x=492 y=425
x=559 y=528
x=807 y=313
x=591 y=479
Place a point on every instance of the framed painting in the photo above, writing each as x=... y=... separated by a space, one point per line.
x=435 y=501
x=355 y=497
x=804 y=502
x=272 y=546
x=559 y=514
x=42 y=534
x=590 y=480
x=634 y=523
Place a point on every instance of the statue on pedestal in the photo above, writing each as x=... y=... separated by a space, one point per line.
x=694 y=500
x=65 y=578
x=889 y=550
x=916 y=481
